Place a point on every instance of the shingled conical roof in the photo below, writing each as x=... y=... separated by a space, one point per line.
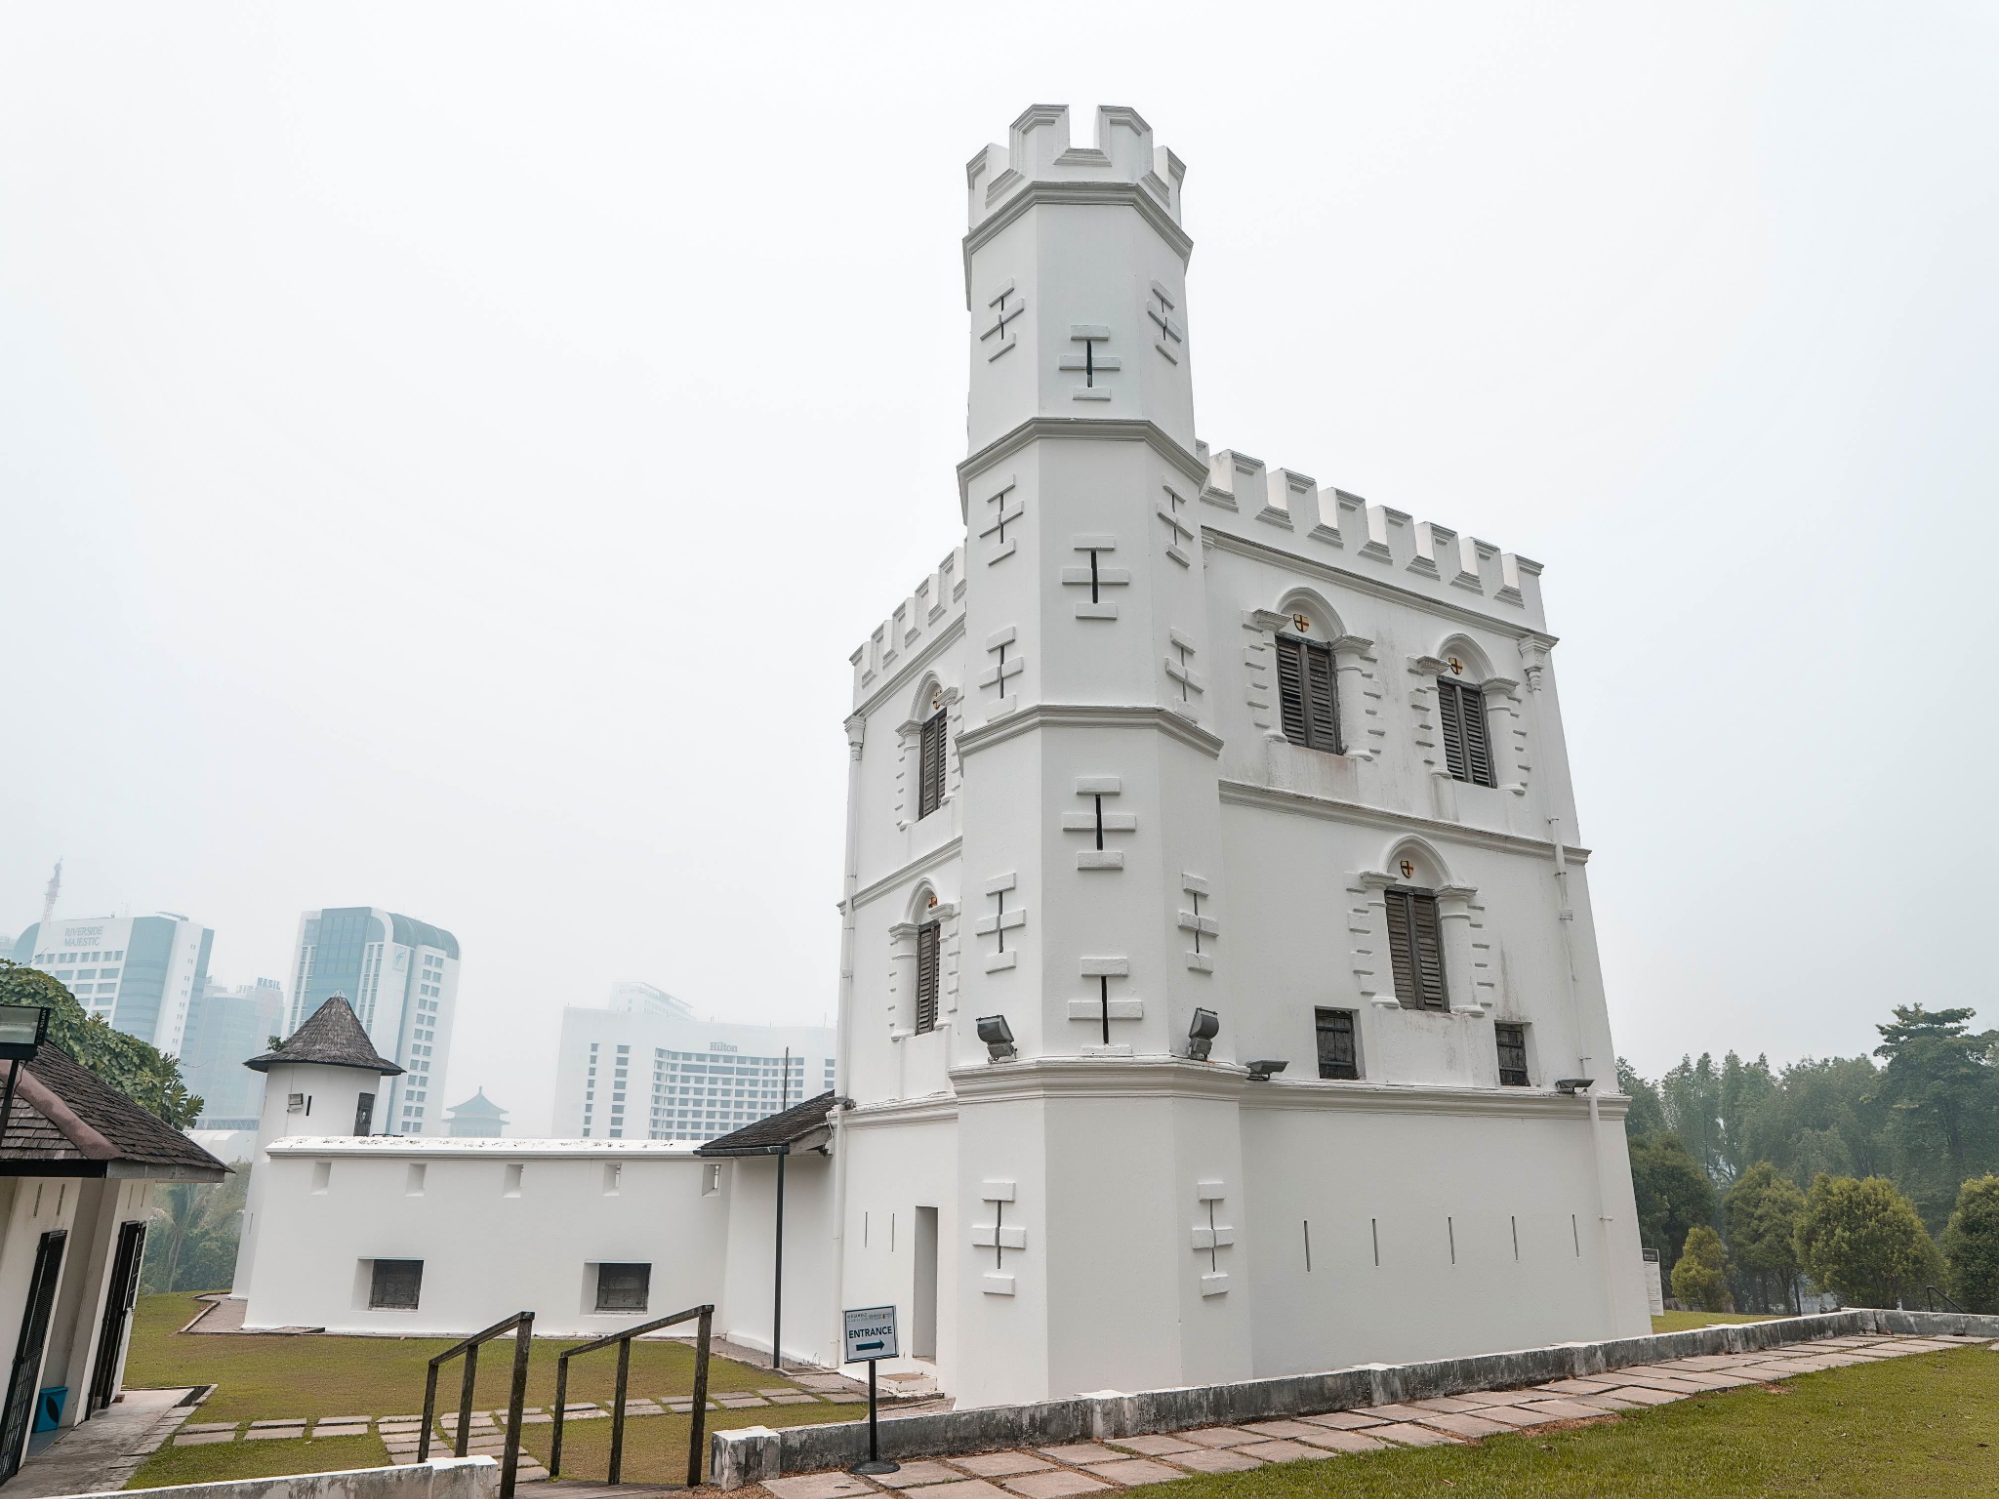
x=332 y=1036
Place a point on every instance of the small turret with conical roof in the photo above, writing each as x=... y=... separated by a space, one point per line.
x=321 y=1080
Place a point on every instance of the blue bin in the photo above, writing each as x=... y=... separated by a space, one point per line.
x=48 y=1407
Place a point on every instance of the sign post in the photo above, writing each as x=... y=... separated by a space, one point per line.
x=870 y=1336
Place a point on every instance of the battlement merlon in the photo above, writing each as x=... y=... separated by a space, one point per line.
x=919 y=622
x=1284 y=509
x=1038 y=152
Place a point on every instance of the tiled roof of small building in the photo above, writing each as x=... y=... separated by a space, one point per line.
x=791 y=1127
x=331 y=1036
x=68 y=1118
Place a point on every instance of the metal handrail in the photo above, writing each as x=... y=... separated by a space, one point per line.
x=623 y=1339
x=1935 y=1292
x=522 y=1323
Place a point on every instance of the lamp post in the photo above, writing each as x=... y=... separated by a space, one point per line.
x=23 y=1029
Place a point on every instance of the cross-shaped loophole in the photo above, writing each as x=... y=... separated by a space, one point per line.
x=1196 y=897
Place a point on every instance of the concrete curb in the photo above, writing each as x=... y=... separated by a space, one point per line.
x=749 y=1455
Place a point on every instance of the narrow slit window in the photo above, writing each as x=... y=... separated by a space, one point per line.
x=1512 y=1040
x=1337 y=1058
x=396 y=1284
x=1305 y=692
x=1467 y=745
x=930 y=776
x=1416 y=949
x=926 y=976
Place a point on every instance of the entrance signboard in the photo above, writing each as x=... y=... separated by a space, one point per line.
x=870 y=1334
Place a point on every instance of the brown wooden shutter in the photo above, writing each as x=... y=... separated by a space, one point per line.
x=1451 y=722
x=1401 y=947
x=1478 y=744
x=926 y=977
x=930 y=793
x=1323 y=717
x=1512 y=1042
x=1429 y=944
x=1291 y=689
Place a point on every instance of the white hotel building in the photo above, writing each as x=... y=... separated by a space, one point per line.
x=642 y=1067
x=140 y=975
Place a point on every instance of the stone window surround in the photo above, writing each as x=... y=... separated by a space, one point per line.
x=1505 y=719
x=1469 y=986
x=902 y=967
x=909 y=741
x=1353 y=674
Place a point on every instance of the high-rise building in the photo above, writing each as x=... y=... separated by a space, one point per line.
x=642 y=1067
x=225 y=1029
x=401 y=977
x=140 y=974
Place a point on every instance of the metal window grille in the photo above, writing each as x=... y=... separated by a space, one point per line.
x=396 y=1284
x=623 y=1288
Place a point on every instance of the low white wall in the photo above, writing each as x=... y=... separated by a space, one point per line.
x=500 y=1226
x=440 y=1479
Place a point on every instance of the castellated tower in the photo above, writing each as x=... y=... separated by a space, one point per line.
x=1178 y=744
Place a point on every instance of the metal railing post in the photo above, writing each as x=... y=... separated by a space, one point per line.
x=516 y=1400
x=618 y=1410
x=465 y=1400
x=429 y=1412
x=561 y=1401
x=699 y=1415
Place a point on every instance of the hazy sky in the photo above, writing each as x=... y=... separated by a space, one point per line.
x=449 y=452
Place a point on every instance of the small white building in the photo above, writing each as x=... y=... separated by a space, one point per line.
x=78 y=1161
x=1219 y=991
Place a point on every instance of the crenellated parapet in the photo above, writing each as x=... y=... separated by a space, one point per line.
x=1038 y=151
x=937 y=604
x=1285 y=509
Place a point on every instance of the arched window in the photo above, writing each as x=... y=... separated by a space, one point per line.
x=1461 y=721
x=931 y=742
x=928 y=950
x=1306 y=694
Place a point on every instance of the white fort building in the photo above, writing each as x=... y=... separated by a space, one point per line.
x=1219 y=995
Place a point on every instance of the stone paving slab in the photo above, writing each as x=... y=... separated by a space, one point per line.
x=796 y=1398
x=209 y=1426
x=1577 y=1387
x=1055 y=1484
x=832 y=1485
x=1447 y=1403
x=1296 y=1431
x=1083 y=1453
x=923 y=1471
x=280 y=1422
x=1393 y=1412
x=275 y=1432
x=1558 y=1409
x=1277 y=1451
x=1605 y=1401
x=1129 y=1471
x=1645 y=1395
x=966 y=1487
x=1464 y=1424
x=998 y=1465
x=1506 y=1416
x=1338 y=1442
x=1343 y=1420
x=1154 y=1444
x=1217 y=1461
x=196 y=1439
x=1412 y=1435
x=340 y=1429
x=1217 y=1437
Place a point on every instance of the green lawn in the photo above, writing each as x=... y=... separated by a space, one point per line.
x=320 y=1375
x=1678 y=1322
x=214 y=1462
x=1927 y=1424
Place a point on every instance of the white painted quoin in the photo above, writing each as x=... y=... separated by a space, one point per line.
x=1124 y=825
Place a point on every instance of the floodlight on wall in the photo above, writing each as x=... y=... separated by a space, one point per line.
x=1572 y=1086
x=1261 y=1069
x=23 y=1029
x=1201 y=1035
x=998 y=1037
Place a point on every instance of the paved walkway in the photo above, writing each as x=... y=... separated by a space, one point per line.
x=103 y=1453
x=1101 y=1468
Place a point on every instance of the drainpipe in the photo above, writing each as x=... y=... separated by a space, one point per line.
x=1566 y=916
x=857 y=727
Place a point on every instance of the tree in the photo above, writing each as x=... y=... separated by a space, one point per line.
x=1864 y=1240
x=148 y=1077
x=1761 y=1209
x=192 y=1244
x=1943 y=1092
x=1971 y=1246
x=1700 y=1279
x=1673 y=1193
x=1647 y=1116
x=1691 y=1092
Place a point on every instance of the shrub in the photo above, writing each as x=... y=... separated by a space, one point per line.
x=1701 y=1278
x=1971 y=1245
x=1864 y=1240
